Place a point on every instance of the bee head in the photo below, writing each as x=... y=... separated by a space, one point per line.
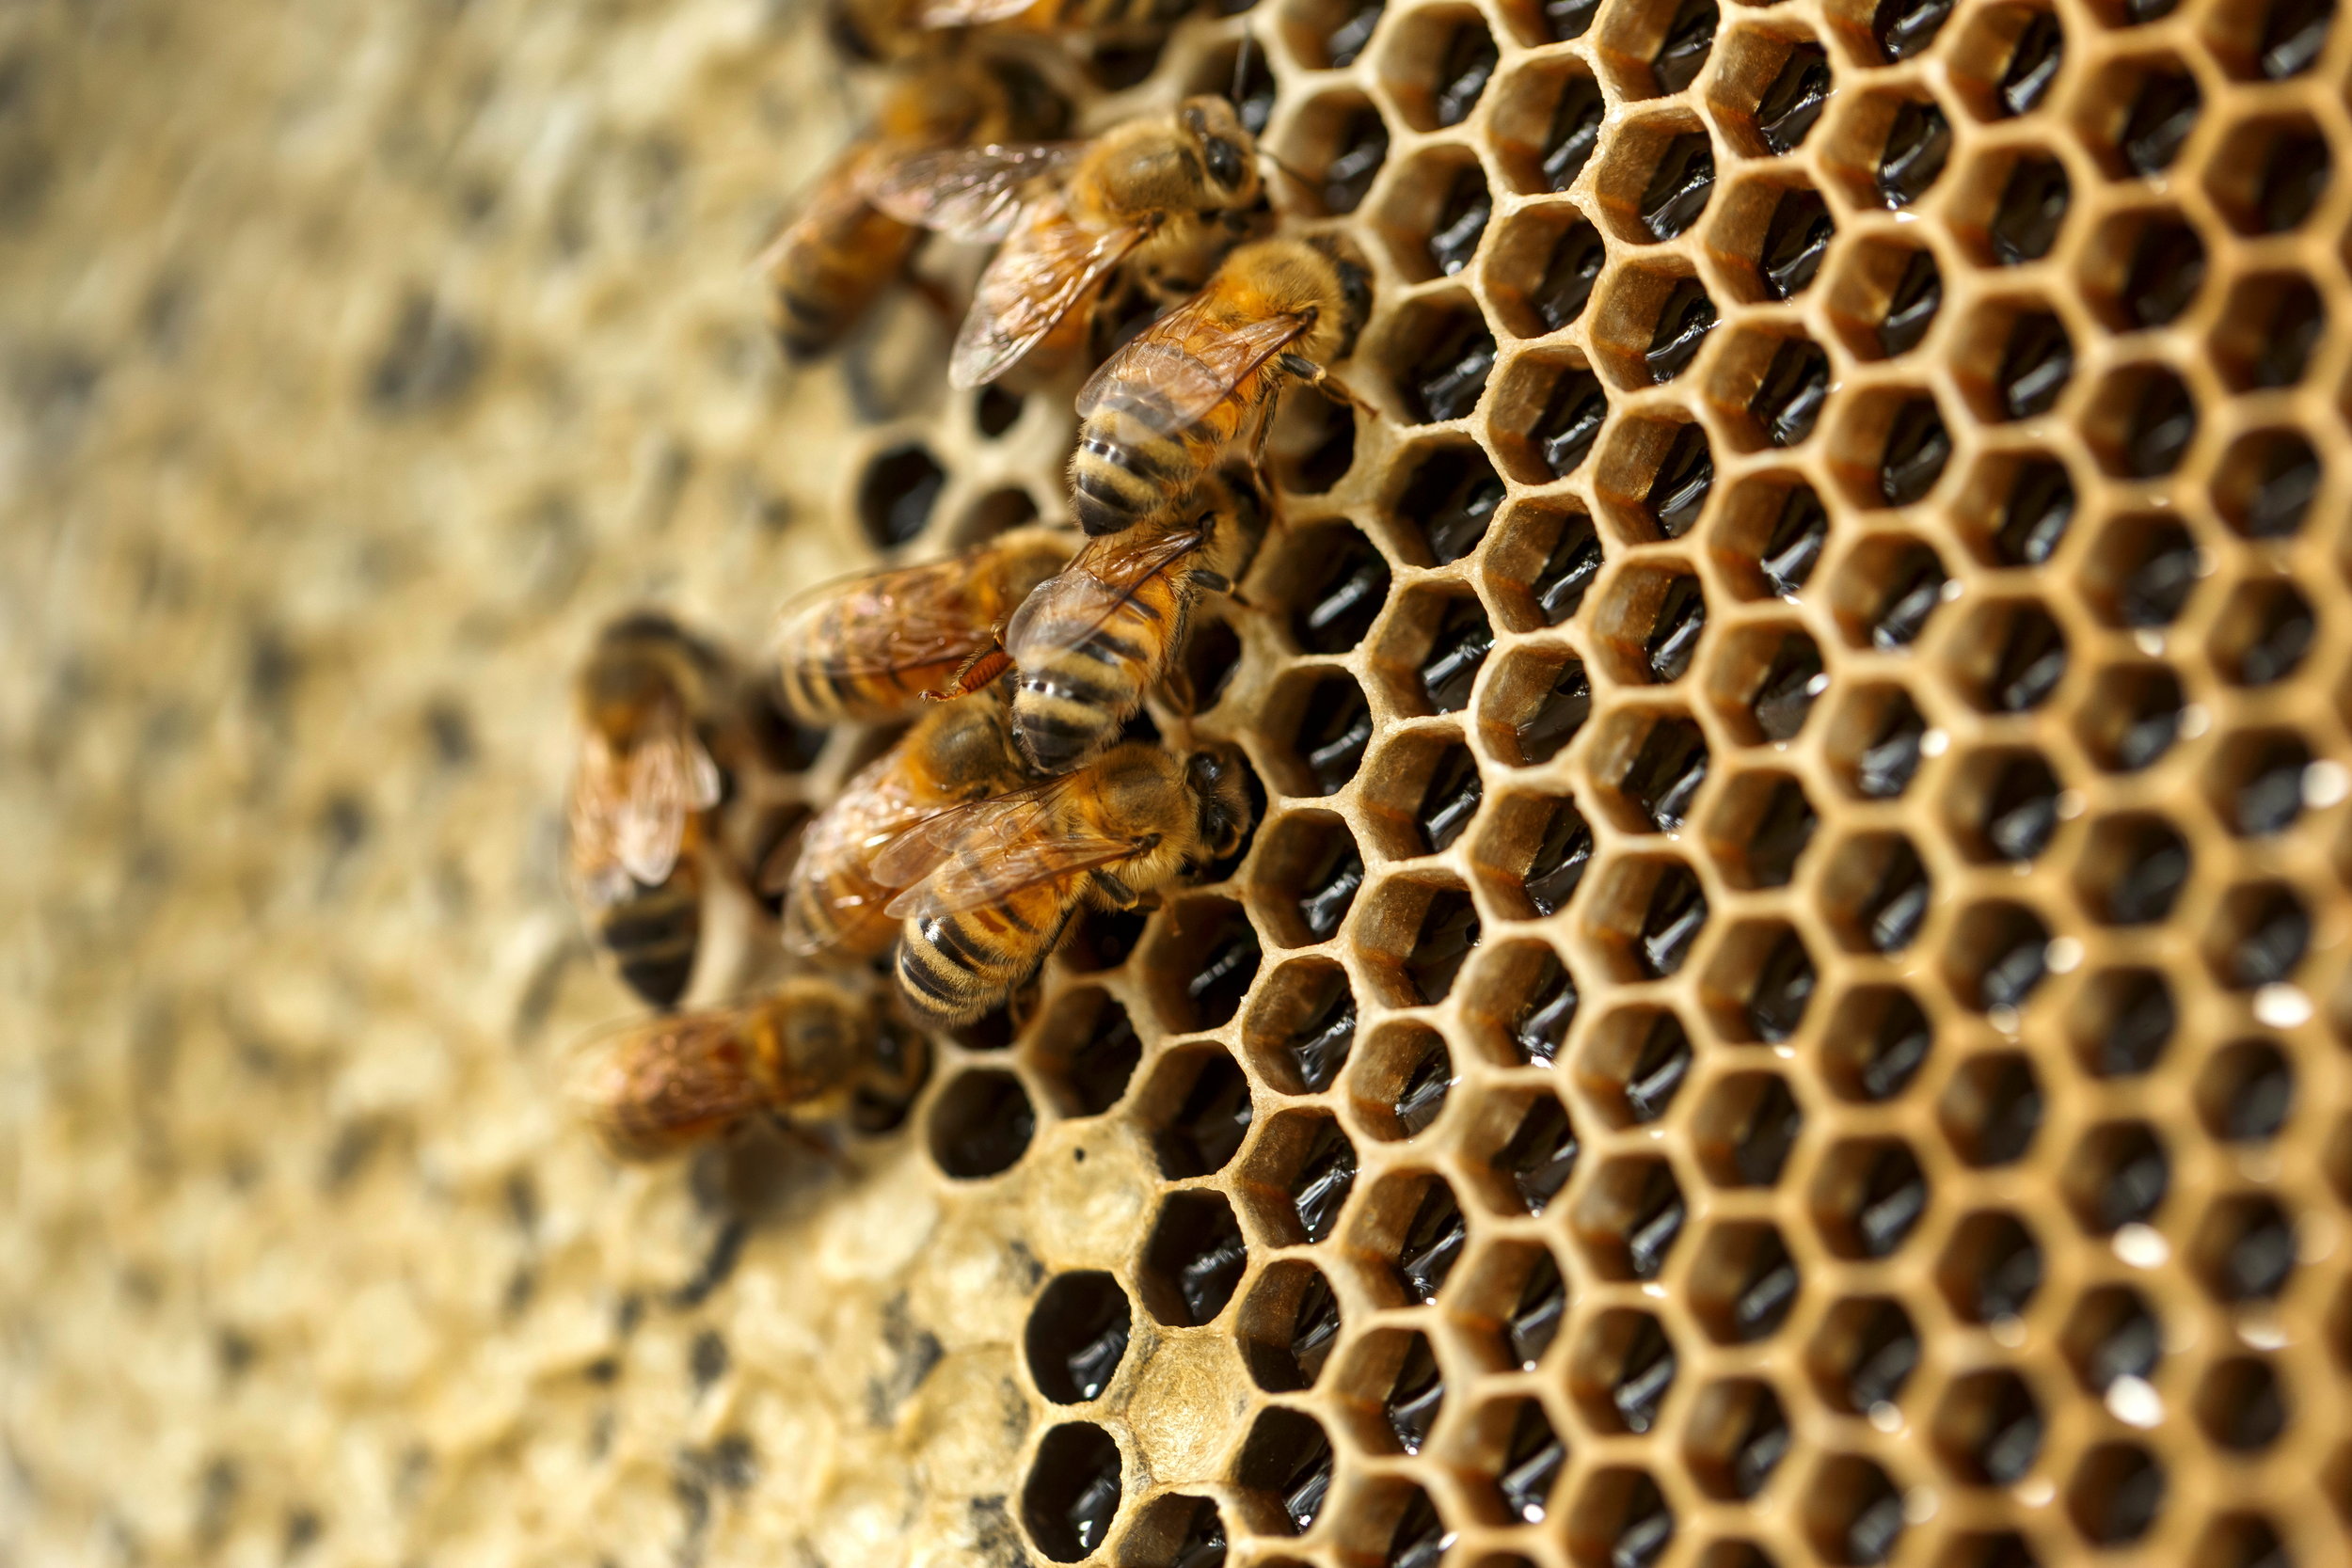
x=1221 y=801
x=1228 y=153
x=1354 y=282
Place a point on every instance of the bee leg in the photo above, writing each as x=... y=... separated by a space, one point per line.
x=1118 y=894
x=1321 y=380
x=974 y=673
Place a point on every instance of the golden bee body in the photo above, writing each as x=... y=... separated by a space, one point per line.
x=666 y=1083
x=825 y=268
x=871 y=646
x=990 y=886
x=1090 y=640
x=1149 y=196
x=958 y=753
x=1164 y=409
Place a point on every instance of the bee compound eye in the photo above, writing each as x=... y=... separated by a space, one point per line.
x=1225 y=161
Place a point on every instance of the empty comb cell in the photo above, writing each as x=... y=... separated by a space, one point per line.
x=1679 y=184
x=1453 y=497
x=1793 y=101
x=1451 y=374
x=1796 y=238
x=1918 y=142
x=1363 y=147
x=1346 y=40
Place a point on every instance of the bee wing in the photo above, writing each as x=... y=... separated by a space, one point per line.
x=973 y=883
x=666 y=777
x=1090 y=591
x=1183 y=365
x=970 y=13
x=991 y=825
x=839 y=187
x=967 y=193
x=650 y=1086
x=897 y=619
x=1040 y=276
x=593 y=828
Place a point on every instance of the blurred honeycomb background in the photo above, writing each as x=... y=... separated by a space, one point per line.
x=1787 y=1005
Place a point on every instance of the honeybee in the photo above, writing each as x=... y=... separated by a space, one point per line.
x=828 y=266
x=1152 y=193
x=990 y=886
x=798 y=1054
x=654 y=701
x=890 y=29
x=868 y=646
x=1093 y=639
x=954 y=754
x=1161 y=410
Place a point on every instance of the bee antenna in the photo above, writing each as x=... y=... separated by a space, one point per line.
x=1241 y=64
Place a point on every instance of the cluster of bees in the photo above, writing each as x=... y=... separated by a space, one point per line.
x=1014 y=799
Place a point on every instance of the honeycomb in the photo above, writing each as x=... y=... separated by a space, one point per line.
x=1783 y=1005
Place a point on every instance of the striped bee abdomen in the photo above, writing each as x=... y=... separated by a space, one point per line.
x=654 y=934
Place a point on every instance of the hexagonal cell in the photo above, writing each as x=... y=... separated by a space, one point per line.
x=1287 y=1460
x=1534 y=1002
x=1438 y=61
x=1425 y=793
x=1654 y=764
x=1536 y=702
x=1889 y=147
x=2269 y=173
x=2245 y=1249
x=896 y=495
x=1338 y=142
x=1534 y=1151
x=1618 y=1516
x=1406 y=1522
x=1650 y=914
x=1193 y=1260
x=2012 y=657
x=2270 y=43
x=1623 y=1369
x=1330 y=34
x=1436 y=214
x=2118 y=1175
x=1530 y=853
x=1764 y=680
x=2263 y=632
x=1769 y=88
x=2143 y=267
x=1327 y=724
x=1547 y=414
x=1650 y=625
x=1877 y=740
x=1654 y=51
x=1863 y=1353
x=2005 y=60
x=2005 y=805
x=1759 y=983
x=1743 y=1283
x=2260 y=936
x=1541 y=266
x=1890 y=450
x=1654 y=476
x=2016 y=508
x=1773 y=529
x=1196 y=1108
x=1175 y=1529
x=1545 y=124
x=1877 y=1040
x=2116 y=1493
x=2266 y=483
x=1868 y=1196
x=2140 y=421
x=981 y=1122
x=1399 y=1083
x=1077 y=1336
x=1629 y=1218
x=1289 y=1325
x=2131 y=715
x=1778 y=383
x=2241 y=1541
x=1309 y=871
x=1877 y=893
x=1302 y=1026
x=2009 y=208
x=1992 y=1109
x=1523 y=1453
x=1634 y=1064
x=1312 y=446
x=1761 y=826
x=1991 y=1268
x=1745 y=1127
x=1771 y=236
x=2133 y=870
x=1656 y=176
x=2137 y=112
x=1434 y=646
x=1201 y=964
x=2241 y=1406
x=1989 y=1428
x=1298 y=1176
x=2015 y=359
x=1998 y=957
x=2111 y=1336
x=1416 y=1225
x=2271 y=323
x=1886 y=589
x=1884 y=295
x=1539 y=1300
x=1442 y=352
x=1540 y=567
x=1853 y=1513
x=2141 y=570
x=1087 y=1050
x=1072 y=1495
x=1341 y=583
x=1415 y=937
x=2245 y=1093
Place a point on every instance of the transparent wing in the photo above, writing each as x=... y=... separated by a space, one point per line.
x=1042 y=273
x=593 y=824
x=972 y=882
x=991 y=825
x=667 y=778
x=647 y=1087
x=967 y=193
x=1090 y=589
x=1185 y=364
x=971 y=13
x=886 y=622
